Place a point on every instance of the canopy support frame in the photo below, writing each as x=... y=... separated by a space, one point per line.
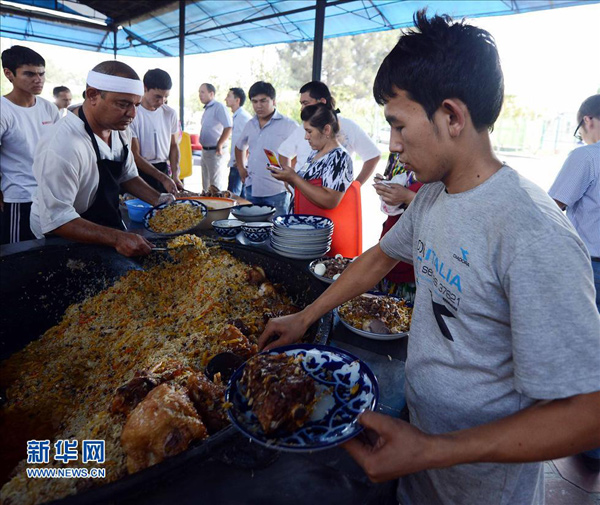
x=181 y=61
x=318 y=39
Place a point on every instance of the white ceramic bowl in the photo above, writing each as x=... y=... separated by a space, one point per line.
x=254 y=213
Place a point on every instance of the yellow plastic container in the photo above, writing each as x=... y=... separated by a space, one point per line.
x=185 y=160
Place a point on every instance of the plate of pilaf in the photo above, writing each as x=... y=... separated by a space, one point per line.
x=170 y=219
x=329 y=269
x=301 y=398
x=376 y=316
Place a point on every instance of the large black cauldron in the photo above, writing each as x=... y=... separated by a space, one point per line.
x=37 y=286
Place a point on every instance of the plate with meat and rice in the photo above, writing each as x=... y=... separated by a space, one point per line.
x=329 y=269
x=317 y=405
x=376 y=316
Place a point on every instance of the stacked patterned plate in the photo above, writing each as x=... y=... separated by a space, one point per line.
x=301 y=236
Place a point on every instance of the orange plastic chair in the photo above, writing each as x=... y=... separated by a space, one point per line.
x=195 y=139
x=346 y=217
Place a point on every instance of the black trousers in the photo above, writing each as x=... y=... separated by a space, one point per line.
x=152 y=182
x=14 y=223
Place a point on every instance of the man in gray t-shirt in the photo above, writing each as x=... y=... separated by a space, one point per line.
x=503 y=366
x=485 y=324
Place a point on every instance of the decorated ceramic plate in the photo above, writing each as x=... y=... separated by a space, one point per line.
x=392 y=307
x=299 y=255
x=303 y=223
x=337 y=264
x=291 y=247
x=370 y=334
x=346 y=385
x=292 y=238
x=172 y=221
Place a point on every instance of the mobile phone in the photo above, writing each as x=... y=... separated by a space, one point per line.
x=272 y=158
x=381 y=181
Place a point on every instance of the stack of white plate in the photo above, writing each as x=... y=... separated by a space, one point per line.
x=301 y=236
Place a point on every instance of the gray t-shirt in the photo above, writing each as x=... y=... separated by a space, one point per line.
x=504 y=316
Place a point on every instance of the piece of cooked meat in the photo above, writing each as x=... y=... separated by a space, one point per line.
x=232 y=339
x=208 y=398
x=162 y=425
x=130 y=394
x=278 y=310
x=256 y=275
x=279 y=391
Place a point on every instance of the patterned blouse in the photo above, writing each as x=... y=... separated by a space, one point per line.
x=334 y=169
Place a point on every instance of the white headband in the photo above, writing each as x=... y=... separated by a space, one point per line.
x=105 y=82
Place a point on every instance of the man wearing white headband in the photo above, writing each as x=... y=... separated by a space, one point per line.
x=85 y=159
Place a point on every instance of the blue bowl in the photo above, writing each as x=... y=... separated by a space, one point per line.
x=137 y=209
x=257 y=232
x=227 y=228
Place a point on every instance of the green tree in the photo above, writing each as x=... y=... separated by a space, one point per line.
x=349 y=63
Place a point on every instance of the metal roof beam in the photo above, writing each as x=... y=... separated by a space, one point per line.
x=261 y=18
x=167 y=7
x=10 y=10
x=146 y=43
x=318 y=40
x=385 y=20
x=76 y=44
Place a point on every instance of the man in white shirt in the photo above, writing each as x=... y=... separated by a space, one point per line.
x=62 y=99
x=23 y=117
x=216 y=129
x=266 y=130
x=154 y=135
x=577 y=185
x=83 y=161
x=235 y=101
x=351 y=136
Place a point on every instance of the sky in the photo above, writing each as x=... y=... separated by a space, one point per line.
x=550 y=58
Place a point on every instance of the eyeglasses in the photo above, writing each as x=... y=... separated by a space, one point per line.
x=578 y=135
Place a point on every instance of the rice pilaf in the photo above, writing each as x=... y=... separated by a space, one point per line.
x=174 y=316
x=176 y=218
x=392 y=312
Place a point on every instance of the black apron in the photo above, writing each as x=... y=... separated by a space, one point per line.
x=151 y=181
x=105 y=209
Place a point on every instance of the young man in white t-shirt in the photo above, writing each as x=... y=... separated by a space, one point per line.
x=154 y=132
x=23 y=117
x=351 y=136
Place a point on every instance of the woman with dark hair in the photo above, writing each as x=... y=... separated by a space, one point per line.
x=329 y=162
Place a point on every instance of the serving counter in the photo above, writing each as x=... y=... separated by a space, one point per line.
x=228 y=468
